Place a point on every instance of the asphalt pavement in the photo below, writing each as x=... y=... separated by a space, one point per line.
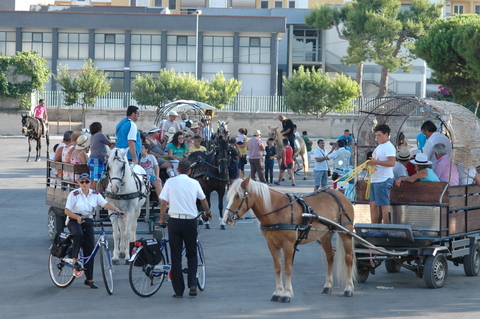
x=240 y=278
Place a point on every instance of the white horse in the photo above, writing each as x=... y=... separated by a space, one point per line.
x=128 y=191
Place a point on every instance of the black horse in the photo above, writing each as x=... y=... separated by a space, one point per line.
x=210 y=169
x=32 y=128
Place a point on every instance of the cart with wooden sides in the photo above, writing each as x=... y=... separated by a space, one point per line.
x=431 y=222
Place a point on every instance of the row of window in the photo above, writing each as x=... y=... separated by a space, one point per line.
x=278 y=4
x=143 y=47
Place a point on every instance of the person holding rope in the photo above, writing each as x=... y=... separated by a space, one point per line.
x=383 y=158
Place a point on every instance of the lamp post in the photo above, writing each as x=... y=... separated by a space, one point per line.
x=197 y=12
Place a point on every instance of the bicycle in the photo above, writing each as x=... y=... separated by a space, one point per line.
x=146 y=279
x=63 y=273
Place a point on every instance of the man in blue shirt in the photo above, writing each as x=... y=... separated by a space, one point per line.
x=128 y=135
x=348 y=140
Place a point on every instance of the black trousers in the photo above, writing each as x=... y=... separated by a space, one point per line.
x=182 y=231
x=84 y=237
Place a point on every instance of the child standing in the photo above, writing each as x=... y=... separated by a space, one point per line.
x=150 y=164
x=242 y=161
x=286 y=163
x=270 y=154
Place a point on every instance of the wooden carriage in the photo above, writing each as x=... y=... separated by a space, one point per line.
x=432 y=222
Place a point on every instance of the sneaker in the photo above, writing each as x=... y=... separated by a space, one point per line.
x=276 y=183
x=293 y=184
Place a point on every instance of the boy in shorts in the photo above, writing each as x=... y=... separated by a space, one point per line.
x=383 y=157
x=286 y=163
x=242 y=160
x=150 y=164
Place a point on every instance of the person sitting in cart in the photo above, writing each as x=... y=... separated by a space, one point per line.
x=80 y=209
x=400 y=169
x=150 y=164
x=425 y=172
x=433 y=137
x=445 y=169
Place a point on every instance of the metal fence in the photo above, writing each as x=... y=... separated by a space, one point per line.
x=241 y=103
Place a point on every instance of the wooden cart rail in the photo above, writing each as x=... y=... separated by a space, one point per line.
x=59 y=188
x=446 y=210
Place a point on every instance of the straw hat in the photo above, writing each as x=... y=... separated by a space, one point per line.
x=257 y=132
x=172 y=113
x=194 y=125
x=403 y=154
x=153 y=129
x=171 y=132
x=83 y=142
x=421 y=159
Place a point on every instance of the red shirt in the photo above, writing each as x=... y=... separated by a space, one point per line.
x=287 y=156
x=410 y=169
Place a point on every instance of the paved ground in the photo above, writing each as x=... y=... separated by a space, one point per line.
x=240 y=279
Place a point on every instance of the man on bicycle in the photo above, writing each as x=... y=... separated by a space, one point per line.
x=180 y=194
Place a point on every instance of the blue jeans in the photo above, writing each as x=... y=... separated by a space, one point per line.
x=380 y=192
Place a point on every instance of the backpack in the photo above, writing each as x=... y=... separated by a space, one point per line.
x=151 y=253
x=60 y=245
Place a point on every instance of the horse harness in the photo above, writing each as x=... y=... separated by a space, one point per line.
x=304 y=228
x=208 y=174
x=129 y=196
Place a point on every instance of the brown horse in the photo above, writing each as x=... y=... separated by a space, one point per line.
x=284 y=227
x=302 y=150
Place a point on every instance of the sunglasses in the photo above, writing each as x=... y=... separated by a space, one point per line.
x=84 y=182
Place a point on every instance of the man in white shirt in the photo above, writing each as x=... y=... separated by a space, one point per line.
x=172 y=115
x=180 y=193
x=383 y=158
x=321 y=165
x=433 y=137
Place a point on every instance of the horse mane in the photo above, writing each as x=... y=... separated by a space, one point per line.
x=253 y=187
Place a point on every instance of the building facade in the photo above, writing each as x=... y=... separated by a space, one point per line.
x=128 y=44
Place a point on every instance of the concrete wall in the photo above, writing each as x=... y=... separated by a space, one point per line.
x=330 y=126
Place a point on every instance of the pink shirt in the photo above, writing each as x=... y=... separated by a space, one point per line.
x=442 y=170
x=39 y=111
x=254 y=150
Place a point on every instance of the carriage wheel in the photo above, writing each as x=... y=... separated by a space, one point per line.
x=362 y=274
x=55 y=223
x=435 y=271
x=61 y=275
x=107 y=269
x=146 y=279
x=393 y=265
x=471 y=262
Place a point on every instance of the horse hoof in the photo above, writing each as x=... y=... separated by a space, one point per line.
x=275 y=298
x=115 y=261
x=127 y=262
x=222 y=227
x=207 y=226
x=348 y=294
x=285 y=299
x=28 y=160
x=327 y=291
x=121 y=255
x=305 y=178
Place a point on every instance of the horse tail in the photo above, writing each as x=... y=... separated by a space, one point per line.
x=341 y=265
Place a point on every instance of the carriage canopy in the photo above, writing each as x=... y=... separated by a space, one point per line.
x=405 y=116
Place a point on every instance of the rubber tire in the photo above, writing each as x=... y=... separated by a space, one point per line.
x=471 y=262
x=107 y=269
x=362 y=274
x=201 y=271
x=61 y=275
x=55 y=223
x=142 y=281
x=435 y=271
x=393 y=266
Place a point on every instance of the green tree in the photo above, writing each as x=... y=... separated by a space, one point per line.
x=309 y=91
x=21 y=75
x=450 y=49
x=86 y=85
x=168 y=87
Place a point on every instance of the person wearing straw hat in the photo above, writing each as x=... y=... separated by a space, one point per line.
x=383 y=158
x=169 y=134
x=79 y=154
x=403 y=157
x=424 y=169
x=256 y=150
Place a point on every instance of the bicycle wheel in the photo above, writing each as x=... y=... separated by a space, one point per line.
x=145 y=279
x=107 y=269
x=61 y=274
x=201 y=273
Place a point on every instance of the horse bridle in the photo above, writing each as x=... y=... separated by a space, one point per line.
x=235 y=216
x=107 y=170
